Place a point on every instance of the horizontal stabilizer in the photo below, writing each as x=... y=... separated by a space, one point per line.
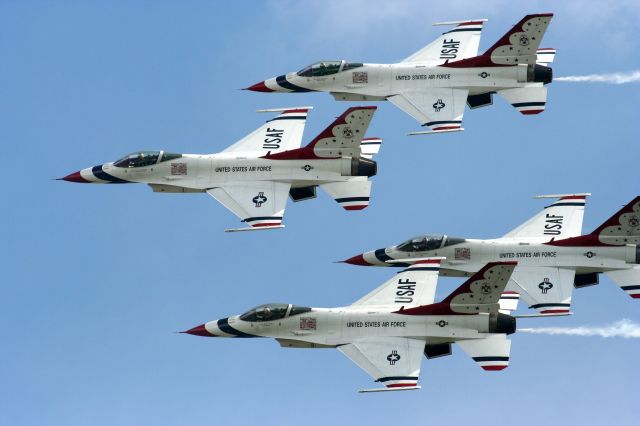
x=370 y=147
x=508 y=302
x=351 y=195
x=389 y=389
x=520 y=44
x=261 y=228
x=527 y=100
x=491 y=353
x=628 y=280
x=545 y=56
x=623 y=227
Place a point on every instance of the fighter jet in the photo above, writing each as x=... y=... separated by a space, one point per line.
x=433 y=84
x=386 y=332
x=552 y=256
x=253 y=177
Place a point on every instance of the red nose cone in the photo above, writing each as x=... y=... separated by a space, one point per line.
x=260 y=87
x=357 y=260
x=199 y=331
x=75 y=177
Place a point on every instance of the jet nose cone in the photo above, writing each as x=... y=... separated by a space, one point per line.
x=357 y=260
x=259 y=87
x=199 y=331
x=75 y=177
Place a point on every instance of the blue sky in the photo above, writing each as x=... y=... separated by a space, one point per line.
x=96 y=279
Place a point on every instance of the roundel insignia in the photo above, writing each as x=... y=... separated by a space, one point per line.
x=259 y=199
x=524 y=40
x=393 y=357
x=347 y=132
x=545 y=286
x=438 y=105
x=485 y=289
x=634 y=221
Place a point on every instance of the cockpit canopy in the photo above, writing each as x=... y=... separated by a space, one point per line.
x=273 y=311
x=322 y=68
x=145 y=158
x=428 y=242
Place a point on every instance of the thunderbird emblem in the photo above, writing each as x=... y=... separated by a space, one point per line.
x=259 y=199
x=524 y=40
x=634 y=221
x=347 y=132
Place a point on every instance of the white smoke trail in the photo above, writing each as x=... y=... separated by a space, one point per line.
x=613 y=78
x=624 y=328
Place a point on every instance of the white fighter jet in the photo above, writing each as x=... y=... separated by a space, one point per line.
x=386 y=332
x=254 y=176
x=553 y=257
x=434 y=84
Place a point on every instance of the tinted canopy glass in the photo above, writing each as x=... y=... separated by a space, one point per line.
x=422 y=243
x=320 y=69
x=273 y=311
x=268 y=312
x=138 y=159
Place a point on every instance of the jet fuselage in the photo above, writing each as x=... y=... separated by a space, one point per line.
x=330 y=327
x=379 y=81
x=196 y=173
x=465 y=258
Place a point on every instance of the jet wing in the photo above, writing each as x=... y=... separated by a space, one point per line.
x=546 y=289
x=392 y=361
x=440 y=109
x=459 y=43
x=260 y=204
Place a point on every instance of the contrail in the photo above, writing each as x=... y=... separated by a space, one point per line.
x=613 y=78
x=624 y=328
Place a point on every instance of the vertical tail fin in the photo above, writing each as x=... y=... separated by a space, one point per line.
x=279 y=134
x=561 y=219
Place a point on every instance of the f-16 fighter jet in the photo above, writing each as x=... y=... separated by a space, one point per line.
x=552 y=255
x=387 y=331
x=433 y=84
x=253 y=177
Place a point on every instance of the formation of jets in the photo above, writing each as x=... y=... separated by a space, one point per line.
x=387 y=331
